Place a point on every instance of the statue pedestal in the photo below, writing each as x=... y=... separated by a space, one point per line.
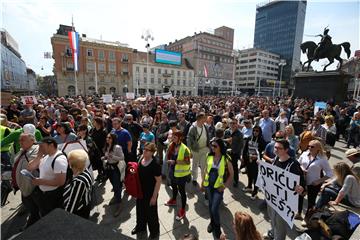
x=326 y=86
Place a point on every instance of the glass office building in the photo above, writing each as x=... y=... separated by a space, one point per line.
x=279 y=29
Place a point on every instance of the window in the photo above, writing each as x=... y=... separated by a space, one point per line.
x=184 y=74
x=152 y=80
x=152 y=70
x=145 y=80
x=101 y=67
x=125 y=70
x=184 y=82
x=145 y=70
x=124 y=57
x=172 y=81
x=71 y=90
x=159 y=71
x=90 y=66
x=137 y=69
x=178 y=73
x=101 y=55
x=166 y=82
x=68 y=51
x=159 y=81
x=178 y=82
x=112 y=67
x=90 y=53
x=112 y=56
x=172 y=72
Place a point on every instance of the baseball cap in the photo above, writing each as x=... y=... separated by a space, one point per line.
x=351 y=152
x=29 y=129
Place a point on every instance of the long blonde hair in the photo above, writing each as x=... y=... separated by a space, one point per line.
x=319 y=146
x=342 y=170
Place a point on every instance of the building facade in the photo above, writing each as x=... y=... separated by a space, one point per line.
x=352 y=67
x=161 y=78
x=257 y=71
x=211 y=56
x=279 y=28
x=13 y=68
x=31 y=81
x=103 y=63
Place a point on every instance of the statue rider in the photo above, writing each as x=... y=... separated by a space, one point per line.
x=323 y=45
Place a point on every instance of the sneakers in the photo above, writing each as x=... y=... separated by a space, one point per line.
x=268 y=236
x=181 y=214
x=194 y=183
x=171 y=202
x=253 y=197
x=210 y=228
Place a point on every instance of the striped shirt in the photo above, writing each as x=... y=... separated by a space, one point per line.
x=77 y=193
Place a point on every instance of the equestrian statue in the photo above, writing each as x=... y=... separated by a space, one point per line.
x=324 y=49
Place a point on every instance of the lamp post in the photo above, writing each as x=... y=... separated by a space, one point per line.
x=235 y=55
x=281 y=64
x=147 y=36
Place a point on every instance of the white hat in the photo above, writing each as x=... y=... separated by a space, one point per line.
x=29 y=129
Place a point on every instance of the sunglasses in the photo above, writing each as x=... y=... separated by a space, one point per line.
x=278 y=148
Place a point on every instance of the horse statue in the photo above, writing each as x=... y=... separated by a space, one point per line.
x=333 y=52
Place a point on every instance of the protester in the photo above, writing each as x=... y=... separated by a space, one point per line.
x=218 y=174
x=145 y=137
x=279 y=227
x=198 y=142
x=77 y=194
x=317 y=170
x=330 y=128
x=64 y=133
x=291 y=137
x=344 y=188
x=150 y=181
x=354 y=156
x=113 y=154
x=52 y=165
x=123 y=138
x=178 y=158
x=267 y=125
x=29 y=151
x=254 y=146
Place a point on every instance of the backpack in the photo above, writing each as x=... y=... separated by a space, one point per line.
x=132 y=180
x=69 y=173
x=305 y=138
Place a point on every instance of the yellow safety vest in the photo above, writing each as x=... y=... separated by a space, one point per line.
x=221 y=171
x=5 y=148
x=182 y=170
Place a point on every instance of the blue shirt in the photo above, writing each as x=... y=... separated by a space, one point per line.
x=247 y=132
x=146 y=137
x=123 y=137
x=268 y=128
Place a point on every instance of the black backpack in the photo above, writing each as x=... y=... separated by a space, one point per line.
x=69 y=172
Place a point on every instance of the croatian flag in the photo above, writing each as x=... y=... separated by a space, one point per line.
x=74 y=44
x=205 y=71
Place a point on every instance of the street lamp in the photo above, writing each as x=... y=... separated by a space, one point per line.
x=281 y=64
x=235 y=55
x=147 y=36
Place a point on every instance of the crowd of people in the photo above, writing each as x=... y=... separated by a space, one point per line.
x=175 y=140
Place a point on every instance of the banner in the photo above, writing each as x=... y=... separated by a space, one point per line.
x=319 y=106
x=164 y=95
x=130 y=95
x=278 y=187
x=28 y=100
x=107 y=98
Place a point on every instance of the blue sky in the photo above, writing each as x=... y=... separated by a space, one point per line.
x=33 y=22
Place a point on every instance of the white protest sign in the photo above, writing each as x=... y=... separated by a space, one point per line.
x=279 y=189
x=28 y=100
x=318 y=106
x=130 y=95
x=167 y=95
x=107 y=98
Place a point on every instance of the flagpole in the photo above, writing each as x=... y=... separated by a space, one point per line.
x=75 y=57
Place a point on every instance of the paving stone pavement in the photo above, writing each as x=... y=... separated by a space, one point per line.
x=197 y=216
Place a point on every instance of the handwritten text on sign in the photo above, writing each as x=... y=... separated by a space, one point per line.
x=279 y=189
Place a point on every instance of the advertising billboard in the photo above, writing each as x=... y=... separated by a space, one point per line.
x=167 y=57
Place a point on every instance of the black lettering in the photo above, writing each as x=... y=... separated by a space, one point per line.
x=292 y=188
x=277 y=189
x=273 y=199
x=262 y=170
x=281 y=204
x=289 y=210
x=281 y=176
x=286 y=196
x=269 y=173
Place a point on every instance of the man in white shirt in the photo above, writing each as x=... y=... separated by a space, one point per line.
x=53 y=166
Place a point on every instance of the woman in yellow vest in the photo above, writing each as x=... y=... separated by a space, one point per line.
x=178 y=158
x=218 y=176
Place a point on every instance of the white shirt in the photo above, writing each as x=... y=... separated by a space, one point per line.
x=47 y=172
x=314 y=169
x=202 y=139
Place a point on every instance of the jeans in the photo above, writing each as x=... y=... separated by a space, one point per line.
x=215 y=197
x=252 y=173
x=32 y=208
x=179 y=187
x=328 y=194
x=235 y=157
x=113 y=174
